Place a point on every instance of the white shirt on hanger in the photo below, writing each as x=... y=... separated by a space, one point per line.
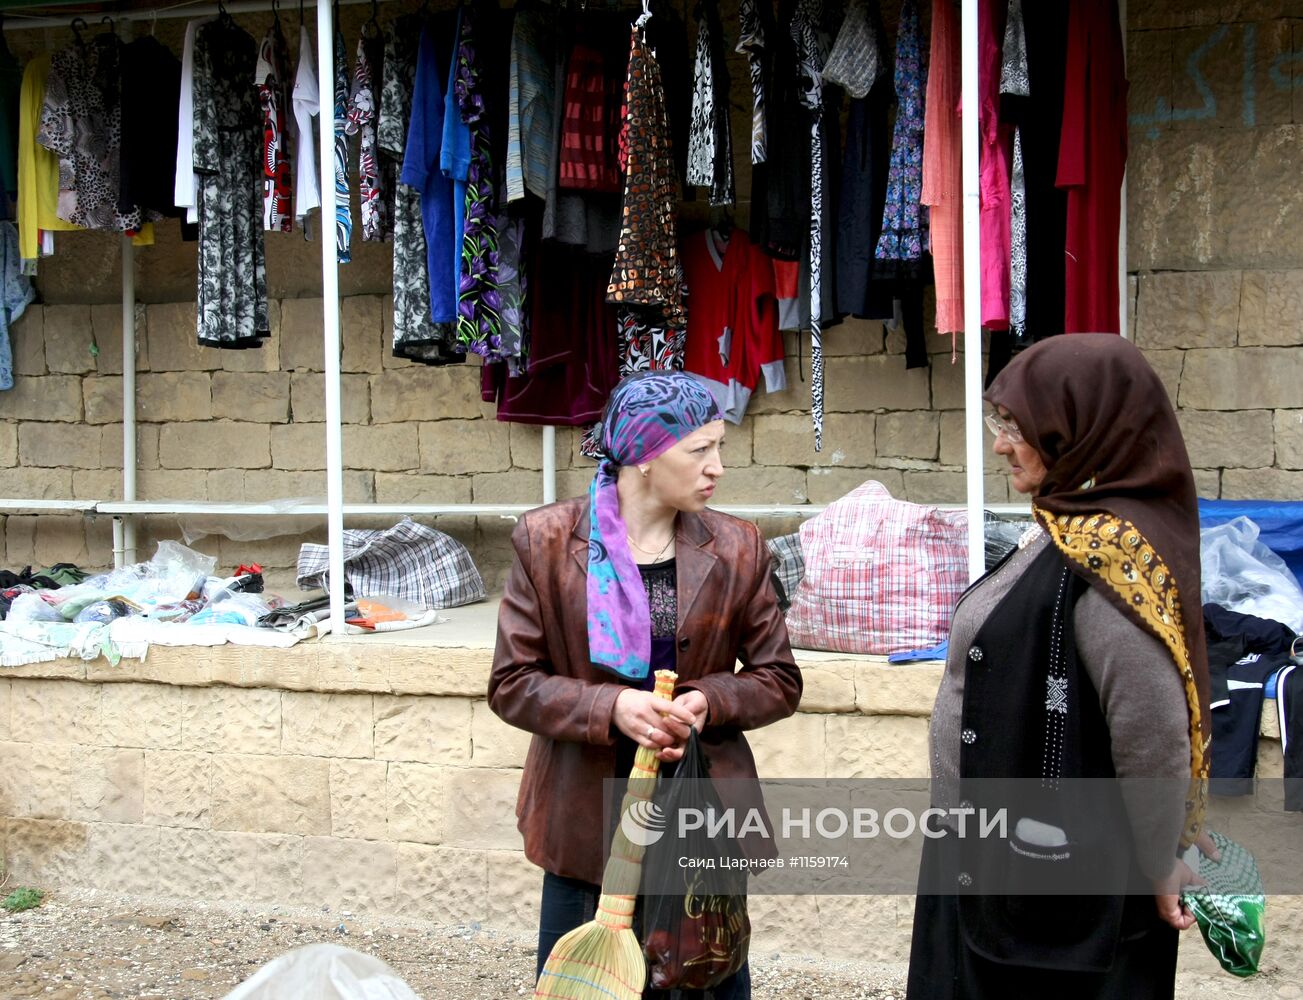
x=307 y=102
x=186 y=188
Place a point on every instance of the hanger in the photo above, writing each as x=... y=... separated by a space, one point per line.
x=373 y=22
x=645 y=16
x=300 y=13
x=77 y=24
x=276 y=13
x=224 y=16
x=109 y=21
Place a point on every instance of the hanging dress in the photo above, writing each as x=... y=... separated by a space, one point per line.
x=646 y=270
x=306 y=101
x=710 y=144
x=343 y=207
x=375 y=186
x=231 y=299
x=994 y=169
x=811 y=54
x=904 y=225
x=81 y=122
x=479 y=300
x=271 y=76
x=751 y=43
x=1015 y=83
x=416 y=336
x=942 y=188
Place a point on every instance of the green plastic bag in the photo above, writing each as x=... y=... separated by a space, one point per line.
x=1231 y=907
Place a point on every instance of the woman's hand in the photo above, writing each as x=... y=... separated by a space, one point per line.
x=1167 y=895
x=654 y=722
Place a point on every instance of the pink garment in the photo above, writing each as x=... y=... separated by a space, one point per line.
x=942 y=169
x=995 y=167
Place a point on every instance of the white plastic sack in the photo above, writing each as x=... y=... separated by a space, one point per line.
x=1240 y=573
x=324 y=972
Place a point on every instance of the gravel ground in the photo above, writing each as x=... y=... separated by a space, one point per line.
x=84 y=945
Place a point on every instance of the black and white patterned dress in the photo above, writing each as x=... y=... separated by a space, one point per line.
x=1014 y=80
x=811 y=54
x=416 y=336
x=231 y=301
x=751 y=43
x=710 y=144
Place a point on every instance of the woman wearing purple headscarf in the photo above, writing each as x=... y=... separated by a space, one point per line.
x=605 y=590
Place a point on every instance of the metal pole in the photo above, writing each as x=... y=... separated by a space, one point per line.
x=330 y=314
x=1124 y=297
x=549 y=463
x=972 y=291
x=129 y=461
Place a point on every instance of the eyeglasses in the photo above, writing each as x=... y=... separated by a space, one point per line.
x=998 y=425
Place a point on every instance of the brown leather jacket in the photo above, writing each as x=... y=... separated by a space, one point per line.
x=543 y=681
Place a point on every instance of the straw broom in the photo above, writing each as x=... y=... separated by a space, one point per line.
x=602 y=959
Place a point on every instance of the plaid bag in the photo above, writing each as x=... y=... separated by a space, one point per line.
x=408 y=560
x=881 y=575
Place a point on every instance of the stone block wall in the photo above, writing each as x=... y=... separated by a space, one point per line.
x=315 y=776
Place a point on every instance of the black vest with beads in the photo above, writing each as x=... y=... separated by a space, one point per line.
x=1035 y=743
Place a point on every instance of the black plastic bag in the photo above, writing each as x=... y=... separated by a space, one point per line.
x=695 y=931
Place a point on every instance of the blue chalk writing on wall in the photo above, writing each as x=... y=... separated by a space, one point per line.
x=1163 y=110
x=1280 y=73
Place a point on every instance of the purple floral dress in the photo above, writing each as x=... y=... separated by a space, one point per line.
x=904 y=225
x=479 y=300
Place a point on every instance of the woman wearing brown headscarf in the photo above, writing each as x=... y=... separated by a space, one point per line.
x=1077 y=660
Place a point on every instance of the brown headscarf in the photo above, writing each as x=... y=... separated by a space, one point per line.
x=1118 y=497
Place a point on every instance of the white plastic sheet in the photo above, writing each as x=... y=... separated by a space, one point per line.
x=324 y=972
x=1242 y=574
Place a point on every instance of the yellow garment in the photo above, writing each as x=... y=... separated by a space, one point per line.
x=38 y=168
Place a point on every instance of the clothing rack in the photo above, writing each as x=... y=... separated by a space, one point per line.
x=124 y=548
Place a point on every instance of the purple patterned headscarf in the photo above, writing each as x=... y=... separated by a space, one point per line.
x=647 y=414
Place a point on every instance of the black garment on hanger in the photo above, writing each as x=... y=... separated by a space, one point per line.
x=11 y=82
x=1041 y=117
x=865 y=165
x=151 y=95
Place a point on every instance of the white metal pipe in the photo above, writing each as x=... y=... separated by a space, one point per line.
x=118 y=546
x=330 y=315
x=1124 y=296
x=129 y=461
x=16 y=20
x=972 y=292
x=549 y=463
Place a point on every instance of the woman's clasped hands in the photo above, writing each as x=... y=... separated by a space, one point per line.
x=664 y=727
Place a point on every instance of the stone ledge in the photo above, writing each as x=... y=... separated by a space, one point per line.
x=856 y=684
x=453 y=659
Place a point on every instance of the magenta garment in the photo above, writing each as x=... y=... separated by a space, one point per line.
x=995 y=166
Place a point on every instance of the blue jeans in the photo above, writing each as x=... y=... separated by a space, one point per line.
x=569 y=902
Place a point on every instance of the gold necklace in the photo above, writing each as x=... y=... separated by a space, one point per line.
x=657 y=556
